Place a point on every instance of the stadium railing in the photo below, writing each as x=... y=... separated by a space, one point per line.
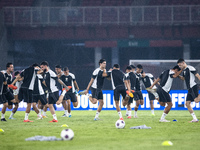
x=140 y=15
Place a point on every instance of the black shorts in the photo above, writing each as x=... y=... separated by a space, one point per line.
x=151 y=96
x=53 y=97
x=20 y=95
x=2 y=99
x=119 y=90
x=163 y=95
x=97 y=93
x=192 y=93
x=27 y=95
x=8 y=97
x=42 y=98
x=71 y=96
x=137 y=95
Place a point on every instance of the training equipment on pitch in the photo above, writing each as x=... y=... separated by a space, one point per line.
x=1 y=130
x=167 y=143
x=129 y=94
x=120 y=124
x=12 y=86
x=67 y=134
x=64 y=125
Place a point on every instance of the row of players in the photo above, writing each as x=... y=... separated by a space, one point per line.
x=36 y=80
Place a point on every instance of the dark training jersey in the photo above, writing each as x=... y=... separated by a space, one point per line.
x=166 y=79
x=189 y=74
x=117 y=78
x=133 y=80
x=29 y=75
x=50 y=80
x=8 y=78
x=2 y=80
x=38 y=88
x=69 y=81
x=98 y=79
x=148 y=80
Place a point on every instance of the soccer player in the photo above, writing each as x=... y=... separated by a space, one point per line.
x=15 y=93
x=39 y=94
x=59 y=73
x=119 y=84
x=139 y=100
x=96 y=84
x=189 y=74
x=148 y=79
x=166 y=79
x=50 y=81
x=131 y=77
x=28 y=76
x=7 y=92
x=69 y=80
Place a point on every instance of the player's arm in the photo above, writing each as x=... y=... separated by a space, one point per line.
x=76 y=85
x=198 y=76
x=154 y=83
x=181 y=77
x=88 y=87
x=63 y=84
x=19 y=78
x=127 y=85
x=177 y=74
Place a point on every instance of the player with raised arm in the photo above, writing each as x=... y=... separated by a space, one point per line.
x=69 y=80
x=96 y=84
x=166 y=79
x=189 y=74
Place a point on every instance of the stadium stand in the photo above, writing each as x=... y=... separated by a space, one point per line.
x=7 y=3
x=174 y=2
x=107 y=2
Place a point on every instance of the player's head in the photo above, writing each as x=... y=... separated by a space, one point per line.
x=143 y=73
x=58 y=69
x=66 y=70
x=133 y=68
x=44 y=65
x=116 y=66
x=181 y=63
x=10 y=67
x=102 y=63
x=139 y=68
x=128 y=69
x=17 y=73
x=35 y=65
x=176 y=68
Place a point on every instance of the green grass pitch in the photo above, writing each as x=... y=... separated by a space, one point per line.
x=102 y=134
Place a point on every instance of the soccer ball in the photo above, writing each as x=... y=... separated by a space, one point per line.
x=120 y=124
x=67 y=134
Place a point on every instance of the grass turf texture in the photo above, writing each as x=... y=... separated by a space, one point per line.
x=102 y=134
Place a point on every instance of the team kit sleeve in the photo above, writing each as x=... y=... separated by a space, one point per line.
x=53 y=75
x=94 y=74
x=193 y=70
x=73 y=77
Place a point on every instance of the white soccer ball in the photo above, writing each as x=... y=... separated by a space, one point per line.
x=67 y=134
x=120 y=124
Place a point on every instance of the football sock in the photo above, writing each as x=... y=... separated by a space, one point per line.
x=152 y=111
x=66 y=111
x=2 y=115
x=194 y=116
x=163 y=116
x=129 y=113
x=44 y=113
x=26 y=116
x=54 y=116
x=11 y=115
x=120 y=114
x=97 y=114
x=135 y=112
